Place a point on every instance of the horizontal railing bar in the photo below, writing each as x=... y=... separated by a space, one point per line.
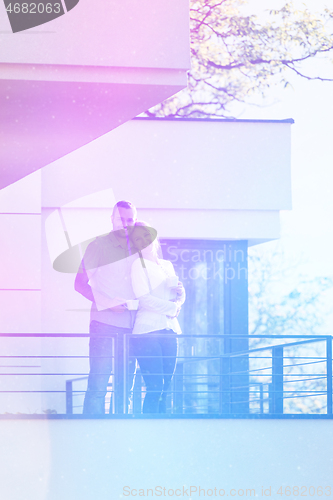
x=216 y=336
x=295 y=375
x=200 y=358
x=242 y=354
x=171 y=416
x=40 y=391
x=77 y=379
x=245 y=372
x=289 y=357
x=237 y=373
x=304 y=364
x=314 y=376
x=318 y=377
x=216 y=356
x=20 y=366
x=43 y=374
x=52 y=357
x=306 y=395
x=257 y=349
x=242 y=373
x=239 y=390
x=270 y=368
x=46 y=335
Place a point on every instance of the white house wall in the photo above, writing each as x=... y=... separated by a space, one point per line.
x=198 y=179
x=130 y=33
x=20 y=293
x=20 y=263
x=88 y=71
x=256 y=226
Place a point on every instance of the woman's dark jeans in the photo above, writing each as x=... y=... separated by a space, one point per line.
x=157 y=359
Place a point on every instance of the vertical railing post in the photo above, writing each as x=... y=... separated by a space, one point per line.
x=179 y=388
x=115 y=375
x=220 y=387
x=277 y=379
x=122 y=368
x=119 y=373
x=225 y=385
x=270 y=399
x=261 y=389
x=137 y=392
x=125 y=373
x=329 y=374
x=69 y=397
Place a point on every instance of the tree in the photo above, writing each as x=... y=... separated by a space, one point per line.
x=284 y=302
x=235 y=56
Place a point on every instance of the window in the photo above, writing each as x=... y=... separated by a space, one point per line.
x=214 y=274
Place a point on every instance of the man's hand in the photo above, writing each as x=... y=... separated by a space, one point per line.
x=121 y=307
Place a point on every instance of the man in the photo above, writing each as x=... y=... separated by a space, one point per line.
x=104 y=278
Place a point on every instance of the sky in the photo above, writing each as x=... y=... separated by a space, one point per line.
x=306 y=230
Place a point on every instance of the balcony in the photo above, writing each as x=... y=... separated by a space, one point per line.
x=45 y=376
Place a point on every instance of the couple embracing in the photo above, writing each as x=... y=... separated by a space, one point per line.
x=122 y=271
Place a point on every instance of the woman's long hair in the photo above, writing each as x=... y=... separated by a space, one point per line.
x=156 y=248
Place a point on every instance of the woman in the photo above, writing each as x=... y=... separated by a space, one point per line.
x=159 y=306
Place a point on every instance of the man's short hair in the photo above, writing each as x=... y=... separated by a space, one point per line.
x=123 y=204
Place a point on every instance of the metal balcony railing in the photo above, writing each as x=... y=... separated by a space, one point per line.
x=276 y=376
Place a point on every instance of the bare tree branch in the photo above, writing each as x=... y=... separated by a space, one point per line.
x=235 y=57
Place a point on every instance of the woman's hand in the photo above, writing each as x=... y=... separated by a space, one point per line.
x=178 y=308
x=180 y=289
